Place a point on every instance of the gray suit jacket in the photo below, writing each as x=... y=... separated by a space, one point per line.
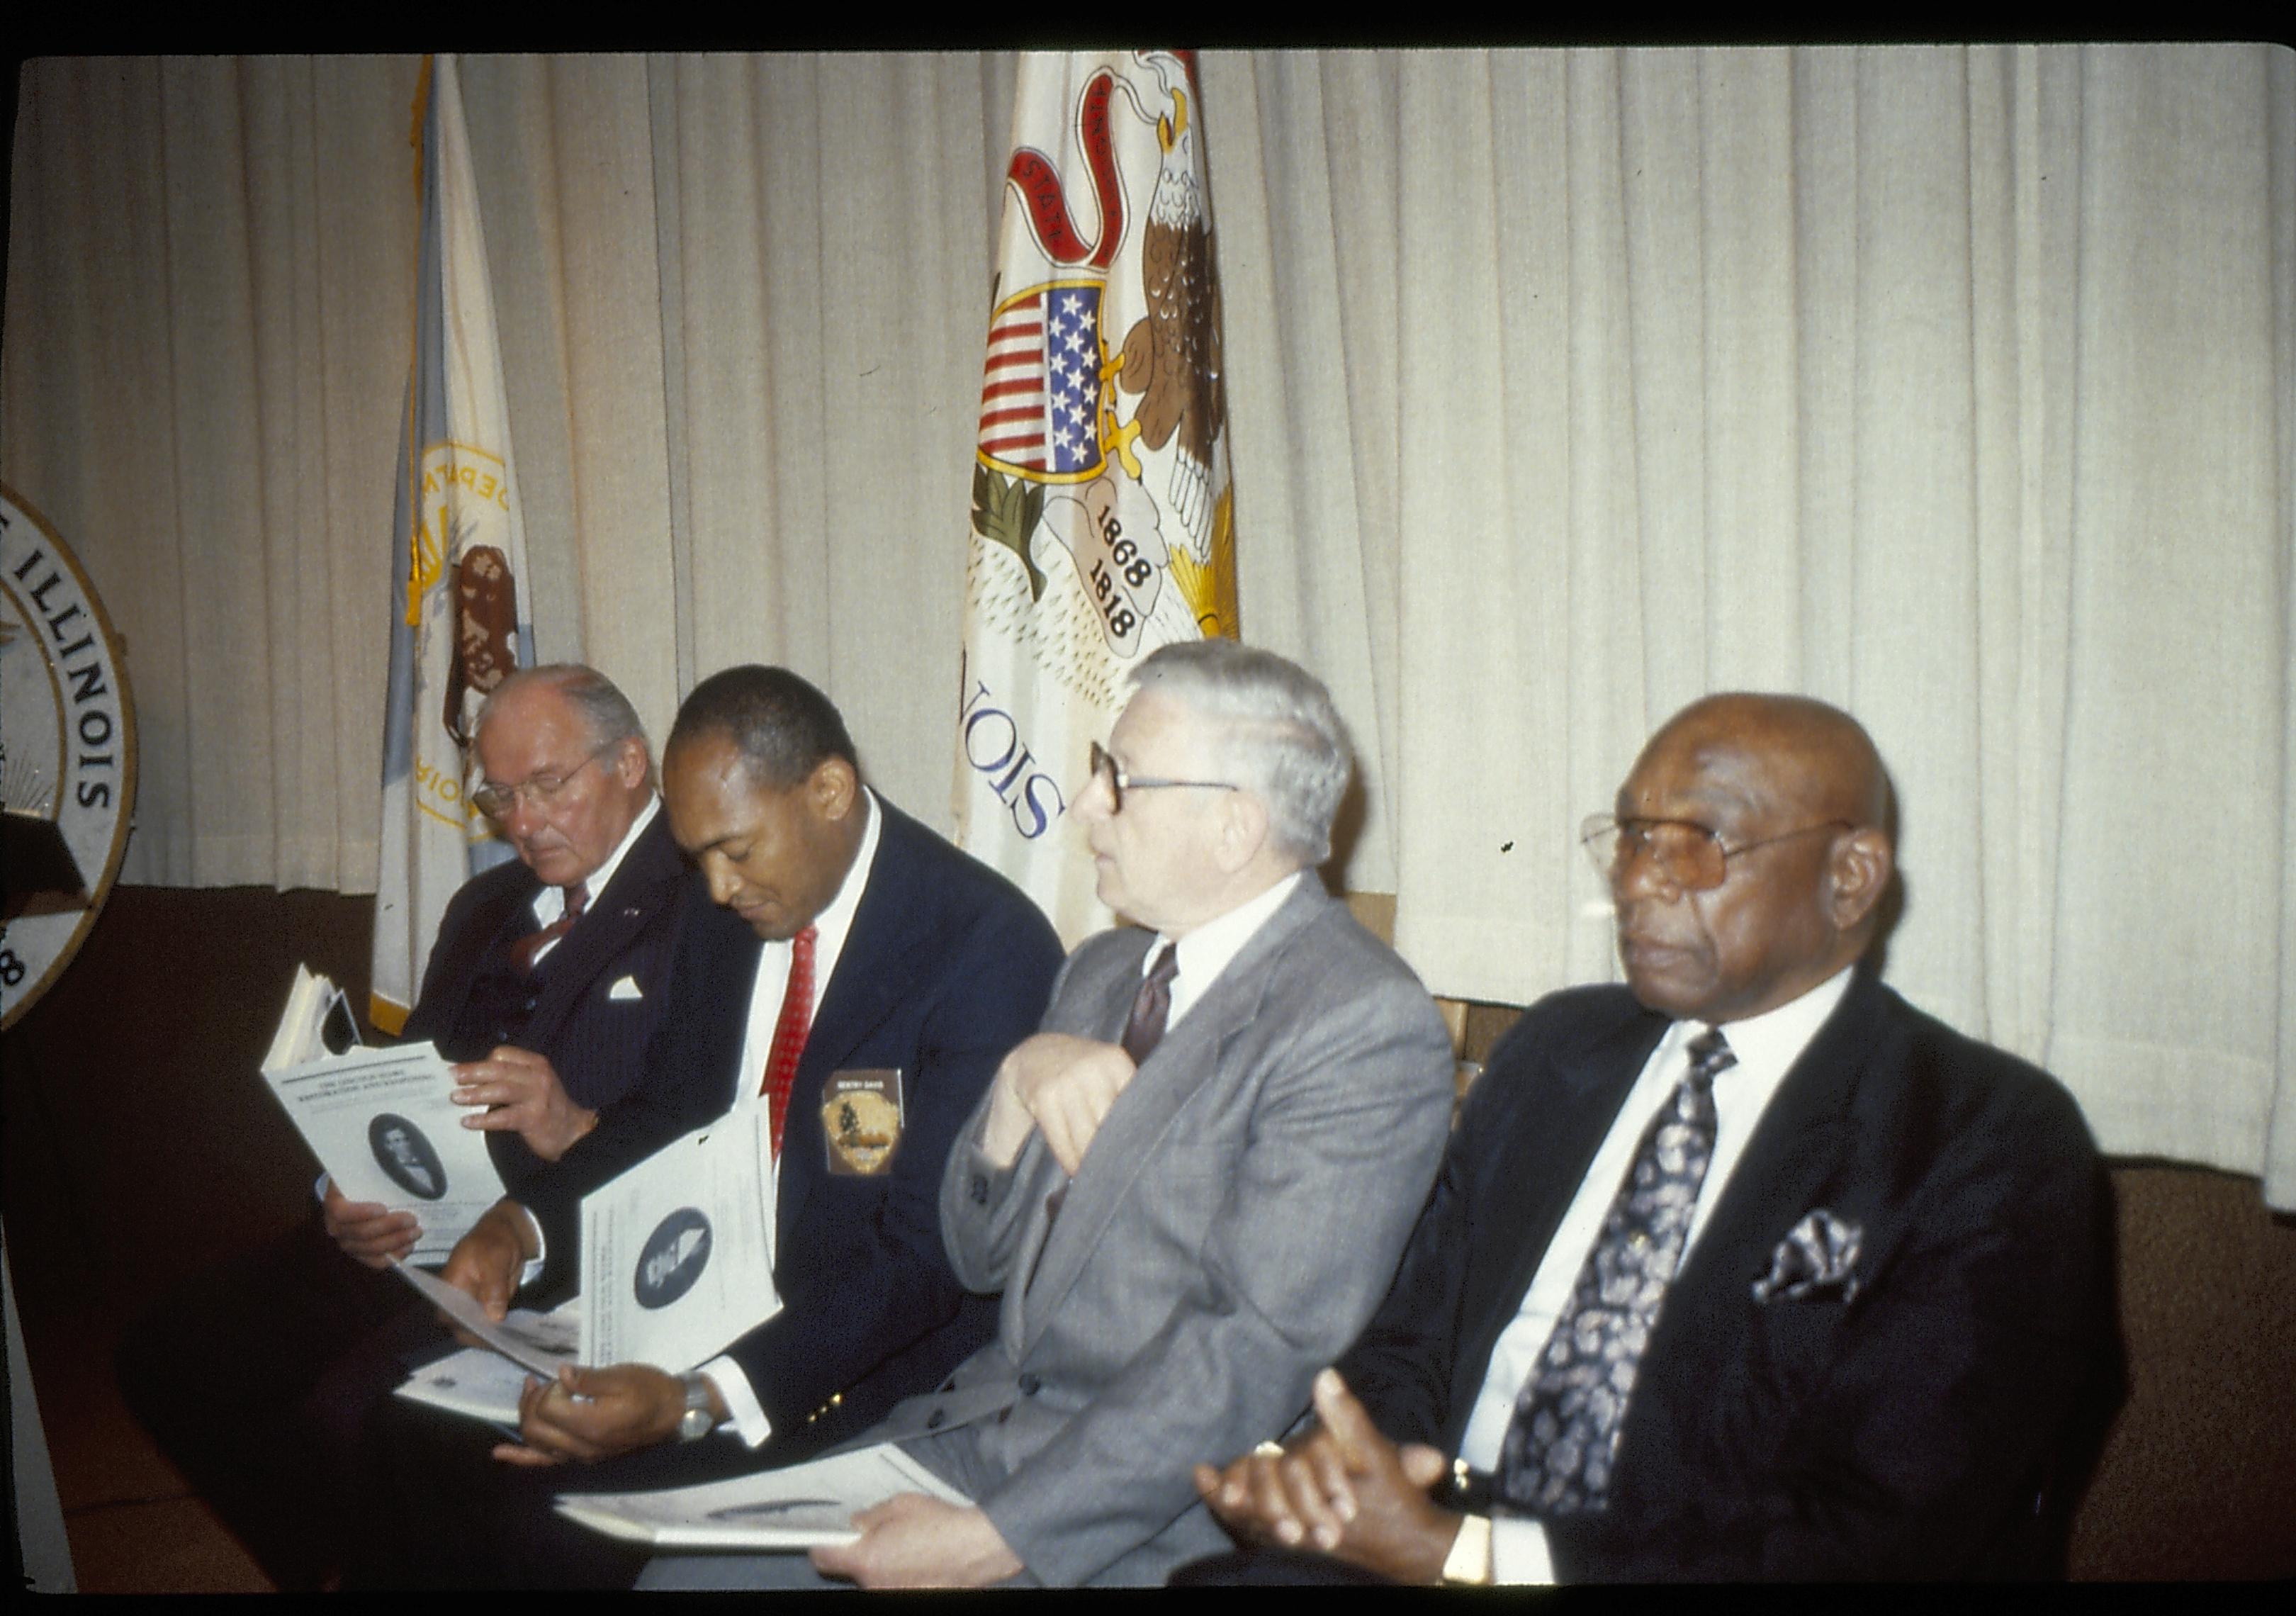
x=1237 y=1220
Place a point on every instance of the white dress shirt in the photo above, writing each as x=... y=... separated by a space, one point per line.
x=1205 y=952
x=550 y=903
x=1767 y=1046
x=830 y=927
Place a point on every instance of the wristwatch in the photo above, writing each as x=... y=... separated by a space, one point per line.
x=697 y=1421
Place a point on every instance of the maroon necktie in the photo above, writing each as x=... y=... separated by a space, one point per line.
x=1151 y=1008
x=523 y=951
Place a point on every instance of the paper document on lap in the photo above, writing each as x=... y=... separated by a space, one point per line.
x=676 y=1263
x=803 y=1507
x=537 y=1342
x=482 y=1384
x=379 y=1121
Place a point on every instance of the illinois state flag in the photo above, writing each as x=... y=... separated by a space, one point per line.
x=460 y=619
x=1102 y=525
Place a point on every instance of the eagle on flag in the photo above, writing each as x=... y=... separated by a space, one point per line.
x=1172 y=354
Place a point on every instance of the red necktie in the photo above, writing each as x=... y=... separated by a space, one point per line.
x=788 y=1033
x=523 y=952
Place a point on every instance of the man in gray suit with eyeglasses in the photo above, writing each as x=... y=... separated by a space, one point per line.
x=1192 y=1186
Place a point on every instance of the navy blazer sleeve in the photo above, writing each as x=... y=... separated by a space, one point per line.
x=480 y=909
x=1418 y=1365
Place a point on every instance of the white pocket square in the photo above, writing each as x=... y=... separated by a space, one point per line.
x=627 y=988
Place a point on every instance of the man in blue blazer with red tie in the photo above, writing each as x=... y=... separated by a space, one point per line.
x=846 y=952
x=1745 y=1271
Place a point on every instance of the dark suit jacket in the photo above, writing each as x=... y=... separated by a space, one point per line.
x=596 y=1041
x=1903 y=1433
x=947 y=967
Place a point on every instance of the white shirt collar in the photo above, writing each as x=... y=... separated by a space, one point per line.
x=1207 y=949
x=1768 y=1044
x=550 y=903
x=831 y=928
x=834 y=924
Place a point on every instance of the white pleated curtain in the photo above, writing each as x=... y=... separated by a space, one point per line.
x=1951 y=385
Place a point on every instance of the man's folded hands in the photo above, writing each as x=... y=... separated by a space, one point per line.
x=1339 y=1489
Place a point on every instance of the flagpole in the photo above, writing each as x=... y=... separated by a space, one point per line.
x=465 y=622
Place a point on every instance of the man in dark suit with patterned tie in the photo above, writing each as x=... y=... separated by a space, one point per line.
x=1747 y=1270
x=859 y=978
x=546 y=981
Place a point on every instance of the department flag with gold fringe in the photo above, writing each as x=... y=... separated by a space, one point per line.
x=460 y=617
x=1102 y=525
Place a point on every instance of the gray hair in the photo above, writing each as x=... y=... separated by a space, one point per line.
x=1280 y=737
x=605 y=712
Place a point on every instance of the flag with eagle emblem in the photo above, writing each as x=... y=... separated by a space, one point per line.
x=1102 y=525
x=460 y=621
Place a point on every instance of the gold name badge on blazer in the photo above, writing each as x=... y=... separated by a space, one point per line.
x=861 y=1114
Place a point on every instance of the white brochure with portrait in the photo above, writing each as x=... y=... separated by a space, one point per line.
x=678 y=1253
x=379 y=1121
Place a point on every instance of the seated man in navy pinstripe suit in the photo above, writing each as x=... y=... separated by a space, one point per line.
x=251 y=1374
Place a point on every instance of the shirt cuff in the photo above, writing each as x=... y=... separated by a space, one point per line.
x=1519 y=1553
x=1469 y=1563
x=532 y=1271
x=320 y=1189
x=742 y=1410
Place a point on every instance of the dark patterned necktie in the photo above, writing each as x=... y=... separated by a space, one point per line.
x=1561 y=1445
x=523 y=952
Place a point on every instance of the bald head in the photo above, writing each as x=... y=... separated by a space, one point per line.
x=1796 y=798
x=603 y=712
x=1812 y=753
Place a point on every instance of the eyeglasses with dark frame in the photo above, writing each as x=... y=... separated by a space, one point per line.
x=1106 y=768
x=1691 y=855
x=497 y=801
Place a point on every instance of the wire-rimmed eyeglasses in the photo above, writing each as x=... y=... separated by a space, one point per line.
x=497 y=801
x=1691 y=855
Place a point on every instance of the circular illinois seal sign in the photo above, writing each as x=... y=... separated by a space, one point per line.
x=67 y=754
